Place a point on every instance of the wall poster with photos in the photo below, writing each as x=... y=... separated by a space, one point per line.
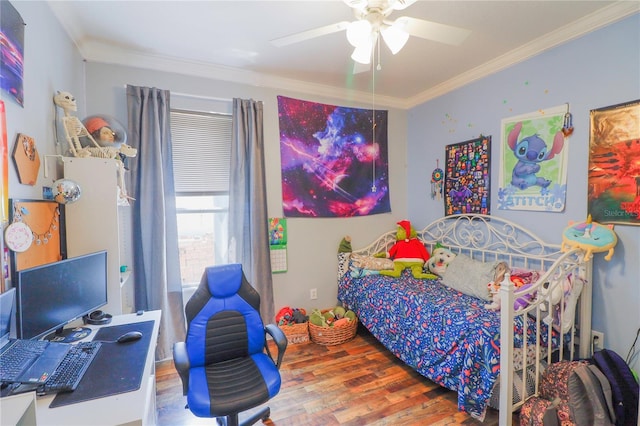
x=44 y=221
x=614 y=164
x=467 y=177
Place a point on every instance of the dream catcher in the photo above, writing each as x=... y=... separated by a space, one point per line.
x=437 y=178
x=567 y=125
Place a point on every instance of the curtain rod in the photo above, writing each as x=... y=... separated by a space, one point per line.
x=208 y=98
x=189 y=95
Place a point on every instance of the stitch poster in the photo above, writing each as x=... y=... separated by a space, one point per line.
x=334 y=160
x=614 y=164
x=533 y=162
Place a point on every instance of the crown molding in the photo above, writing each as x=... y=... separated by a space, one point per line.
x=97 y=52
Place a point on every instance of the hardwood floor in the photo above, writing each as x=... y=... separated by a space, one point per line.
x=356 y=383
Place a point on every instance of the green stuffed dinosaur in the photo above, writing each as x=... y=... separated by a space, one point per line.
x=407 y=253
x=345 y=245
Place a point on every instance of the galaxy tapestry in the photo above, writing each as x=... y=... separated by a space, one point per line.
x=11 y=51
x=333 y=164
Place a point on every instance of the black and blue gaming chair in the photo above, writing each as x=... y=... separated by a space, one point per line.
x=223 y=364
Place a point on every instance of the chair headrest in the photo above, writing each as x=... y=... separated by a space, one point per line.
x=224 y=280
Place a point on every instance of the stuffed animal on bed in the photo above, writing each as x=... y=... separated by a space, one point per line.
x=494 y=288
x=408 y=252
x=440 y=258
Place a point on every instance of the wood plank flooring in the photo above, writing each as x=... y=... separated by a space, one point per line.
x=356 y=383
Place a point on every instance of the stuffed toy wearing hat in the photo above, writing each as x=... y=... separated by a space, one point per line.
x=440 y=258
x=101 y=131
x=408 y=252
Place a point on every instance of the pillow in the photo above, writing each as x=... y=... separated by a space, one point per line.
x=469 y=276
x=370 y=262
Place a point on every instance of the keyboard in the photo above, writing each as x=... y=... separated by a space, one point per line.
x=18 y=357
x=70 y=371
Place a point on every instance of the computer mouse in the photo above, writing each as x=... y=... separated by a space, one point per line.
x=129 y=337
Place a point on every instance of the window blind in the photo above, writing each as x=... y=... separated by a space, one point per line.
x=201 y=151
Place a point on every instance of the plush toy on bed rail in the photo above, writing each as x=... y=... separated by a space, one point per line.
x=591 y=237
x=408 y=252
x=494 y=288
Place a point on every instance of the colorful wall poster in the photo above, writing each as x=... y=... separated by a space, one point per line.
x=533 y=161
x=467 y=177
x=614 y=164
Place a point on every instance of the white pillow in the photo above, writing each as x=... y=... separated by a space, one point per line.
x=469 y=276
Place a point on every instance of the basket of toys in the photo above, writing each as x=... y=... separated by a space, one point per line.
x=294 y=323
x=332 y=326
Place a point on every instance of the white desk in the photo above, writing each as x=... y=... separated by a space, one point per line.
x=130 y=408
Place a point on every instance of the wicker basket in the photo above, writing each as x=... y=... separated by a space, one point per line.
x=328 y=336
x=296 y=333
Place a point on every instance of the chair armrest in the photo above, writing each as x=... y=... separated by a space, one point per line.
x=181 y=362
x=280 y=340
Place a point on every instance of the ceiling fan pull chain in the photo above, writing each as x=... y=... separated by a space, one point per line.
x=373 y=121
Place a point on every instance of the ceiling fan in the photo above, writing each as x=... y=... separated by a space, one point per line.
x=371 y=23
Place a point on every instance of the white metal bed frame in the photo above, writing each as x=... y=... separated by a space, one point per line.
x=490 y=238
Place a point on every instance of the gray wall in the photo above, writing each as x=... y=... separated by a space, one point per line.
x=597 y=70
x=51 y=63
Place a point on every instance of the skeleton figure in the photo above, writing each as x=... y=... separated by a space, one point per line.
x=74 y=130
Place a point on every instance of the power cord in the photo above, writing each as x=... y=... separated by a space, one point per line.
x=632 y=350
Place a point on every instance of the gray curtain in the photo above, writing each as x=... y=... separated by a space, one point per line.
x=155 y=230
x=248 y=220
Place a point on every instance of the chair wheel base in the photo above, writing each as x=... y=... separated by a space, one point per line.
x=233 y=420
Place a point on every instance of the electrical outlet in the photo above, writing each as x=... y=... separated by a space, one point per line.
x=313 y=294
x=597 y=340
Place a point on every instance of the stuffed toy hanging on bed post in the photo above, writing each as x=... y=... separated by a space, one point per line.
x=407 y=253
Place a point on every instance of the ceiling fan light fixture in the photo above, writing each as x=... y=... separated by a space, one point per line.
x=362 y=53
x=395 y=37
x=359 y=32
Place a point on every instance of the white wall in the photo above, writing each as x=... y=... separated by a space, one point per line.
x=51 y=63
x=597 y=70
x=313 y=243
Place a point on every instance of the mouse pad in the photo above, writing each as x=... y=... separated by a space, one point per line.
x=117 y=368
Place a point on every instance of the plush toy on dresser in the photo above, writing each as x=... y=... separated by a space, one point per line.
x=407 y=253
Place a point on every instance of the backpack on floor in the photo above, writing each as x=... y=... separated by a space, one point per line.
x=623 y=386
x=538 y=411
x=571 y=393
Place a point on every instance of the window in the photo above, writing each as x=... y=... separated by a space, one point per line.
x=201 y=158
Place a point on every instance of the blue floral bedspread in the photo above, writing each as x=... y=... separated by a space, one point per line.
x=445 y=335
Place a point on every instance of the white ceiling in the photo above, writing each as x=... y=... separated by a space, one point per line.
x=230 y=40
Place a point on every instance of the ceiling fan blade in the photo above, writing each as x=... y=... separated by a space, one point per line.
x=309 y=34
x=402 y=4
x=433 y=31
x=356 y=4
x=360 y=68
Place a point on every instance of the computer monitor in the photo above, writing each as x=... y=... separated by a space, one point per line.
x=52 y=295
